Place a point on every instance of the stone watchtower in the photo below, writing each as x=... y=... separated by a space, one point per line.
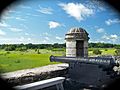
x=77 y=43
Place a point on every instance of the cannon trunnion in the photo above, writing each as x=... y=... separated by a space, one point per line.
x=91 y=71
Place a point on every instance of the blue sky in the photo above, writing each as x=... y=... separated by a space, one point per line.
x=47 y=21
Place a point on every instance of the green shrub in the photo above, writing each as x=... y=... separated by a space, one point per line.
x=106 y=49
x=38 y=52
x=1 y=53
x=17 y=61
x=90 y=49
x=97 y=51
x=7 y=52
x=35 y=50
x=117 y=52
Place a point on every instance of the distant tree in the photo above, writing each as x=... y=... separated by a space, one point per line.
x=17 y=49
x=101 y=45
x=29 y=46
x=49 y=48
x=21 y=45
x=38 y=52
x=9 y=48
x=55 y=45
x=97 y=51
x=21 y=48
x=117 y=52
x=117 y=46
x=91 y=45
x=35 y=50
x=1 y=47
x=42 y=46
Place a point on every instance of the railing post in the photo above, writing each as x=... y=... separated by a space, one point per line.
x=60 y=86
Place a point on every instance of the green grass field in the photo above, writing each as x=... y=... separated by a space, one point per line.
x=105 y=51
x=17 y=60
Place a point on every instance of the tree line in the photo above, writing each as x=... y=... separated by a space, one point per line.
x=103 y=45
x=23 y=47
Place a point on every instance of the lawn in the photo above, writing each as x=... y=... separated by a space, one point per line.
x=18 y=60
x=105 y=51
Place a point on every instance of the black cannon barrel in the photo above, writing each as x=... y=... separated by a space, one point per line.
x=88 y=60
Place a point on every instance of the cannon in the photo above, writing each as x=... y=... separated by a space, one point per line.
x=105 y=61
x=90 y=71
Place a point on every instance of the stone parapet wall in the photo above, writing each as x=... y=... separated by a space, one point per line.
x=37 y=74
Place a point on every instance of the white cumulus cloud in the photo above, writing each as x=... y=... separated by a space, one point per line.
x=59 y=38
x=78 y=10
x=24 y=26
x=112 y=37
x=29 y=39
x=21 y=38
x=46 y=34
x=44 y=41
x=16 y=29
x=3 y=24
x=47 y=38
x=53 y=24
x=112 y=21
x=106 y=37
x=18 y=40
x=25 y=7
x=19 y=18
x=100 y=30
x=7 y=17
x=27 y=34
x=47 y=10
x=2 y=32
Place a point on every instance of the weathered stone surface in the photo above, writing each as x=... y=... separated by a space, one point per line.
x=77 y=43
x=36 y=74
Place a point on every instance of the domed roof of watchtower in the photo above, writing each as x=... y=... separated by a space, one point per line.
x=77 y=34
x=77 y=30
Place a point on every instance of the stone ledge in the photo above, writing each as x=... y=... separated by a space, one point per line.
x=36 y=74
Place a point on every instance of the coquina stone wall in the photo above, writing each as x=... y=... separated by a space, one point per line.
x=37 y=74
